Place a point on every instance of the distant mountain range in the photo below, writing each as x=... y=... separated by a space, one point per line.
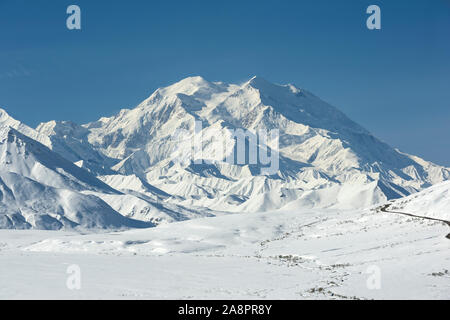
x=123 y=171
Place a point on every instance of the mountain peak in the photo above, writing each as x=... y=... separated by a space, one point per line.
x=7 y=121
x=272 y=89
x=258 y=82
x=5 y=118
x=197 y=81
x=187 y=86
x=3 y=113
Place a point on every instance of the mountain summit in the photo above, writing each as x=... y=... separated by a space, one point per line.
x=326 y=159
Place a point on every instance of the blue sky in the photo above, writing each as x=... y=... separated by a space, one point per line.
x=394 y=81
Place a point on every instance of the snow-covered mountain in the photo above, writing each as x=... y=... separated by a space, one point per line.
x=40 y=189
x=168 y=160
x=325 y=159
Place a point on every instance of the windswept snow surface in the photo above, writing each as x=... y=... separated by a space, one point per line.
x=296 y=254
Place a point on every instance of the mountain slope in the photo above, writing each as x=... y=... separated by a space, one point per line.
x=22 y=155
x=25 y=204
x=433 y=202
x=40 y=189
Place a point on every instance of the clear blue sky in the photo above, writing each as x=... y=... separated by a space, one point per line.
x=395 y=82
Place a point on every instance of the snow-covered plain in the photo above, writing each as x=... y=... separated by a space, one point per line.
x=297 y=254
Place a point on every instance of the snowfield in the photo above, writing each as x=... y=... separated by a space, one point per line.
x=312 y=254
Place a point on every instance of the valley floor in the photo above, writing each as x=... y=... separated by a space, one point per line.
x=315 y=254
